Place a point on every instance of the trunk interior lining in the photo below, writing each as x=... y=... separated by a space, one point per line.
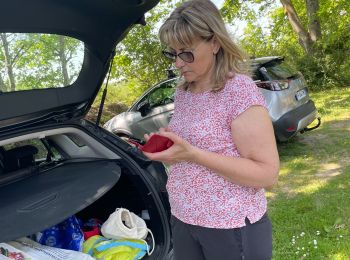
x=130 y=193
x=52 y=195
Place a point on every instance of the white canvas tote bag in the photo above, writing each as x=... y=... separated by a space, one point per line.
x=124 y=224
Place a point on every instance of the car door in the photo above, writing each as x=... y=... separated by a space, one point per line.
x=158 y=108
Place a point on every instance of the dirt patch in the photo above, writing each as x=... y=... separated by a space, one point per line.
x=329 y=166
x=313 y=138
x=343 y=124
x=330 y=170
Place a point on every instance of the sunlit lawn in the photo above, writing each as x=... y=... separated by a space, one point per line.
x=310 y=206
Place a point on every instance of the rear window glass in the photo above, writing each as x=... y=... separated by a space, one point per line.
x=277 y=71
x=41 y=150
x=35 y=61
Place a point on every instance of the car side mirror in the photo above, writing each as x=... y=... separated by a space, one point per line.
x=144 y=107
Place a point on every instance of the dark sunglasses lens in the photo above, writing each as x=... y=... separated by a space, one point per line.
x=186 y=56
x=169 y=55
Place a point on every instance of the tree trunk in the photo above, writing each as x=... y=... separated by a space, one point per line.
x=8 y=61
x=314 y=26
x=63 y=60
x=2 y=85
x=303 y=36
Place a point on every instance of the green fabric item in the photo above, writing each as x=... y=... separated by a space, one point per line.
x=112 y=249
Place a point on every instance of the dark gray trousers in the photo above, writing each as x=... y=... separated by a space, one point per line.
x=252 y=242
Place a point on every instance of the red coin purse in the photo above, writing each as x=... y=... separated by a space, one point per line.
x=156 y=143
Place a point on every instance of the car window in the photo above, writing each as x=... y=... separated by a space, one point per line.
x=162 y=95
x=38 y=144
x=256 y=75
x=38 y=61
x=277 y=71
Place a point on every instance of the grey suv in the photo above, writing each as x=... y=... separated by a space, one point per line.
x=285 y=91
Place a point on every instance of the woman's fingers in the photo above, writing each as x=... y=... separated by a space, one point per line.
x=160 y=131
x=164 y=129
x=173 y=154
x=148 y=136
x=160 y=156
x=172 y=136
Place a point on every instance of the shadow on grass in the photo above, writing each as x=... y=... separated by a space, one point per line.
x=325 y=211
x=332 y=135
x=313 y=194
x=310 y=159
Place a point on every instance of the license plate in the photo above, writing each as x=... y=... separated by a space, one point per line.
x=300 y=94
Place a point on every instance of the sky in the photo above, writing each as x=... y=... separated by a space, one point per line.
x=236 y=31
x=218 y=3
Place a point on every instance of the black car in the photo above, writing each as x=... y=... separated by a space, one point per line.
x=53 y=163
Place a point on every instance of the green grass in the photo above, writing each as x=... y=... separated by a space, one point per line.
x=312 y=198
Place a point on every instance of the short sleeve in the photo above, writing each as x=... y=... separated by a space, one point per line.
x=242 y=93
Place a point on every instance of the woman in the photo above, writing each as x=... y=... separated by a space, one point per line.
x=224 y=152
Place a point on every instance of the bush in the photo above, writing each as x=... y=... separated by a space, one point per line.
x=326 y=68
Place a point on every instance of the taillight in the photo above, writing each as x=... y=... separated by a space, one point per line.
x=273 y=85
x=291 y=129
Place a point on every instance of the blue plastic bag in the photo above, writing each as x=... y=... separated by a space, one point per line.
x=65 y=235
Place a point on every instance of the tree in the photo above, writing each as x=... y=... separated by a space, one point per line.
x=38 y=60
x=138 y=56
x=10 y=59
x=3 y=87
x=313 y=34
x=61 y=52
x=2 y=84
x=306 y=37
x=50 y=61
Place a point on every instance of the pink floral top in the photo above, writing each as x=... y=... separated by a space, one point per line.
x=197 y=195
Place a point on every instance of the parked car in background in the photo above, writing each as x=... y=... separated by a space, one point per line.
x=53 y=163
x=285 y=91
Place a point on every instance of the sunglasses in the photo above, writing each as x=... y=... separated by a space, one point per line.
x=186 y=56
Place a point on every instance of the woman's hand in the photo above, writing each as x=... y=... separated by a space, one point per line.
x=180 y=151
x=162 y=129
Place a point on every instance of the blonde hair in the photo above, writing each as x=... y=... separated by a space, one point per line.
x=200 y=19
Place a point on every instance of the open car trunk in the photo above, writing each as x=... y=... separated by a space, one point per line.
x=126 y=194
x=82 y=177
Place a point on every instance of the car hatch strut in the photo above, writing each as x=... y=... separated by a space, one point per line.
x=103 y=98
